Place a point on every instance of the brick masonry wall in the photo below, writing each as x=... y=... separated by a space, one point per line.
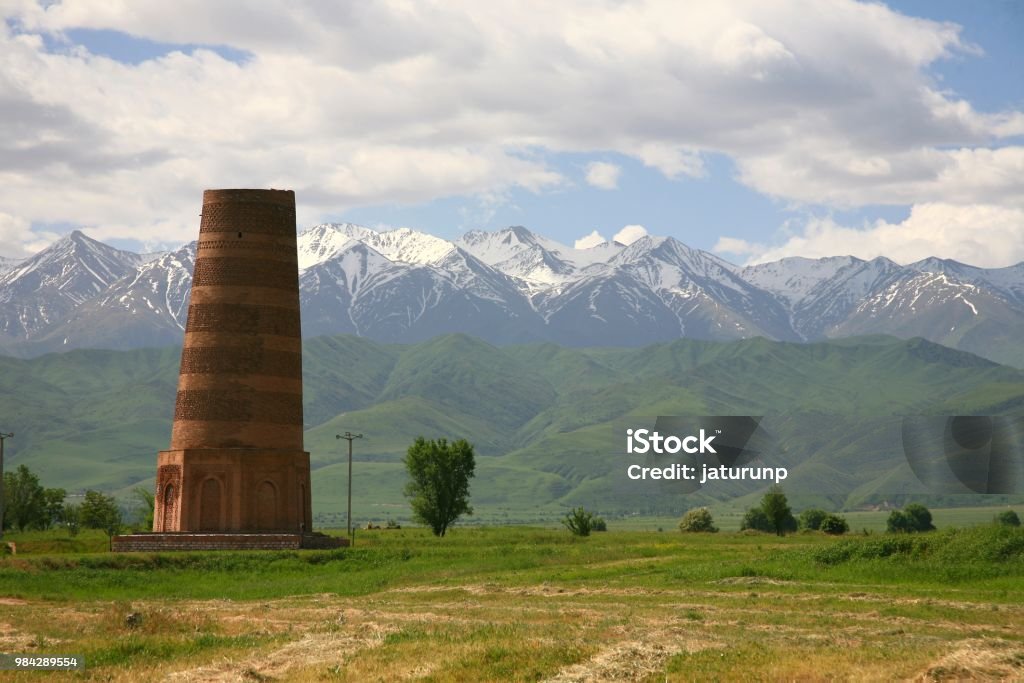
x=163 y=542
x=237 y=433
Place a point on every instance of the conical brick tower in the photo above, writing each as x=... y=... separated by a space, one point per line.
x=236 y=461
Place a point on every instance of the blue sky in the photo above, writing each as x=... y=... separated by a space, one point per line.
x=754 y=130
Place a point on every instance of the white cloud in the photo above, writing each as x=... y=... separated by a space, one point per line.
x=747 y=47
x=394 y=102
x=17 y=239
x=603 y=175
x=630 y=234
x=592 y=240
x=979 y=234
x=739 y=247
x=846 y=178
x=673 y=161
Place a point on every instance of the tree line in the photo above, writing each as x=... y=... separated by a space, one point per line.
x=29 y=506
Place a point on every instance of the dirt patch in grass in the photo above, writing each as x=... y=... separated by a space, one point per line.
x=13 y=640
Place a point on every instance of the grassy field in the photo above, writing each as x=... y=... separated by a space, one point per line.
x=517 y=603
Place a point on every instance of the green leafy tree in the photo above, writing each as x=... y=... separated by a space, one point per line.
x=439 y=474
x=27 y=504
x=756 y=520
x=71 y=518
x=776 y=509
x=579 y=522
x=1007 y=518
x=812 y=519
x=101 y=512
x=698 y=520
x=921 y=516
x=834 y=525
x=898 y=522
x=912 y=518
x=53 y=507
x=146 y=506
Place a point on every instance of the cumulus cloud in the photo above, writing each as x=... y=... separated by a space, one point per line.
x=979 y=234
x=356 y=104
x=630 y=234
x=738 y=247
x=592 y=240
x=17 y=238
x=603 y=175
x=672 y=160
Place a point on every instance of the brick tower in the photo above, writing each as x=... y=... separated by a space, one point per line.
x=236 y=461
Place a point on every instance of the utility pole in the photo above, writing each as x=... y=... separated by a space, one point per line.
x=2 y=500
x=350 y=437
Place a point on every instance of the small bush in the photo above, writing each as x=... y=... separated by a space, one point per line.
x=698 y=520
x=912 y=518
x=812 y=519
x=755 y=519
x=579 y=522
x=898 y=522
x=598 y=524
x=1007 y=518
x=834 y=525
x=920 y=516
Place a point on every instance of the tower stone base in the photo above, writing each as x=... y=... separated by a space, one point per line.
x=184 y=541
x=232 y=490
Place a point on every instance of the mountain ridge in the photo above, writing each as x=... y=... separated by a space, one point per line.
x=514 y=286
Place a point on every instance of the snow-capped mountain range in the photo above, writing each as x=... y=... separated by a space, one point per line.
x=512 y=286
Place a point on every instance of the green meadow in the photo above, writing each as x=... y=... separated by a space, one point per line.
x=529 y=604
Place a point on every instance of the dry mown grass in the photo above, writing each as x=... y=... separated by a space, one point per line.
x=530 y=605
x=564 y=634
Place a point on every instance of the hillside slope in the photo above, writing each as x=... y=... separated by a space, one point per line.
x=546 y=420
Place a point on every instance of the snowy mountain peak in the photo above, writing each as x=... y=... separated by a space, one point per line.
x=672 y=251
x=514 y=285
x=519 y=253
x=42 y=290
x=512 y=237
x=410 y=246
x=324 y=242
x=794 y=277
x=321 y=242
x=75 y=257
x=160 y=287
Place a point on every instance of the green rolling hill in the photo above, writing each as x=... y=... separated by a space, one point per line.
x=543 y=418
